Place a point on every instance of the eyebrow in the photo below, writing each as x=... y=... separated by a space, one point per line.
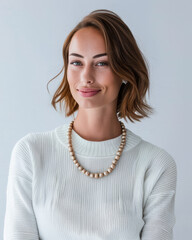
x=96 y=56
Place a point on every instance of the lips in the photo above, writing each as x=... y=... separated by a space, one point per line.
x=89 y=93
x=86 y=90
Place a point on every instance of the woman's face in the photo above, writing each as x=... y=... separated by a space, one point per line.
x=88 y=67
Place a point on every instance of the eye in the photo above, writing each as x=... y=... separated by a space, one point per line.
x=75 y=63
x=102 y=63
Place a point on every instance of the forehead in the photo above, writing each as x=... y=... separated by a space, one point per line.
x=87 y=39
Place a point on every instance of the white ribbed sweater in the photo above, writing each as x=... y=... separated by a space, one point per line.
x=48 y=198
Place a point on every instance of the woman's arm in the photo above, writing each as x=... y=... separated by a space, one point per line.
x=20 y=222
x=160 y=187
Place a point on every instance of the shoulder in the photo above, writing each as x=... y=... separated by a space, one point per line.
x=33 y=140
x=28 y=150
x=148 y=153
x=156 y=157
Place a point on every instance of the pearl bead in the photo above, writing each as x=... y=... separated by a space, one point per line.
x=70 y=149
x=106 y=173
x=112 y=166
x=96 y=175
x=114 y=161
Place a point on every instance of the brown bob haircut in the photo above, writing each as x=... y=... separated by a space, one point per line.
x=125 y=59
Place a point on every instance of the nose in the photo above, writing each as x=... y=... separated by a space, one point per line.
x=87 y=75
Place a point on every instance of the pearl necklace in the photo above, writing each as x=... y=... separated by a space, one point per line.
x=114 y=162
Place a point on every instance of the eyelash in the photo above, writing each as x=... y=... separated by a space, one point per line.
x=103 y=62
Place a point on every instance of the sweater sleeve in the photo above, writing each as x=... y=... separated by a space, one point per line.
x=20 y=222
x=159 y=203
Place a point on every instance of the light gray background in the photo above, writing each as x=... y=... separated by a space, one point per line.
x=31 y=39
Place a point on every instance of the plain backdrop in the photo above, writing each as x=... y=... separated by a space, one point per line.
x=31 y=39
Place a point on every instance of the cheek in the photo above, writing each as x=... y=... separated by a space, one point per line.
x=116 y=83
x=71 y=76
x=113 y=82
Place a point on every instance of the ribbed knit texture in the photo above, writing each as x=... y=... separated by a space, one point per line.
x=48 y=198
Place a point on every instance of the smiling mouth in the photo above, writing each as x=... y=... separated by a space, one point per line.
x=88 y=94
x=88 y=90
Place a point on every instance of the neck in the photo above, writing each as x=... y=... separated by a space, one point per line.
x=97 y=127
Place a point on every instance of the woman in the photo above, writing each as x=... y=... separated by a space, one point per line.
x=94 y=178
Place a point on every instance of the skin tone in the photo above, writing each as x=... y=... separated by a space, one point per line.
x=96 y=118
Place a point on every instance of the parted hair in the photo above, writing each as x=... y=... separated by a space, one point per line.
x=125 y=59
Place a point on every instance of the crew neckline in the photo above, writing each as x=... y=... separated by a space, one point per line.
x=104 y=148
